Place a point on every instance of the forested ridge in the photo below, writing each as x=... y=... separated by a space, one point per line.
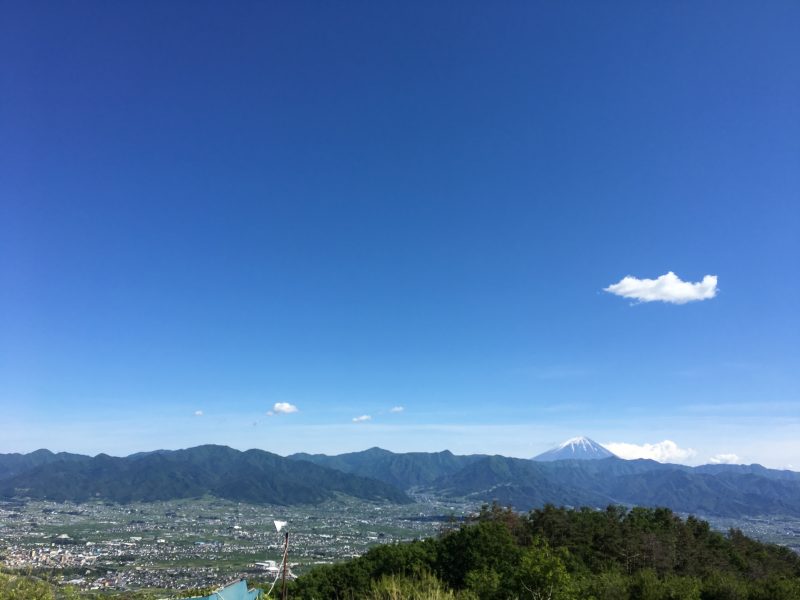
x=252 y=476
x=560 y=554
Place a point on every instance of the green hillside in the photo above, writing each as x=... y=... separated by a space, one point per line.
x=560 y=554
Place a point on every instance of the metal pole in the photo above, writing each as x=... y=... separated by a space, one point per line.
x=285 y=553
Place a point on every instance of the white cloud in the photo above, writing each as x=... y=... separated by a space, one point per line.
x=283 y=408
x=666 y=451
x=198 y=413
x=725 y=459
x=396 y=409
x=667 y=288
x=362 y=419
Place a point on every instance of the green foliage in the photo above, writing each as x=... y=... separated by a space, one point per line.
x=681 y=588
x=718 y=586
x=484 y=583
x=559 y=554
x=422 y=587
x=542 y=574
x=194 y=592
x=28 y=587
x=776 y=588
x=484 y=545
x=14 y=587
x=608 y=585
x=647 y=585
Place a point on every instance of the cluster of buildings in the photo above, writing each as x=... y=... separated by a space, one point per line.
x=183 y=544
x=49 y=557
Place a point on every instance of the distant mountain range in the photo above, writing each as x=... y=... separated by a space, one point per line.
x=585 y=479
x=580 y=472
x=412 y=469
x=720 y=491
x=252 y=476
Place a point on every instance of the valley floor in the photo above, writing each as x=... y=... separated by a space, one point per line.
x=188 y=544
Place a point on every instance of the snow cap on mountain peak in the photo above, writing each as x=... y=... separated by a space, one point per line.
x=576 y=441
x=577 y=448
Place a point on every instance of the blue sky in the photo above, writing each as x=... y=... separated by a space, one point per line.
x=350 y=207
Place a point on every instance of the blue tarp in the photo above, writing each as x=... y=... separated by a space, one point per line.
x=234 y=591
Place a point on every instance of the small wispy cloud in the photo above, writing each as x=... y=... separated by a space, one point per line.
x=396 y=409
x=724 y=459
x=362 y=419
x=667 y=288
x=666 y=451
x=198 y=413
x=283 y=408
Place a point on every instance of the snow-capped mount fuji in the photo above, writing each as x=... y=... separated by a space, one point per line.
x=577 y=448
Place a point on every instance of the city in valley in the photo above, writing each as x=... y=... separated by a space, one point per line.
x=185 y=544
